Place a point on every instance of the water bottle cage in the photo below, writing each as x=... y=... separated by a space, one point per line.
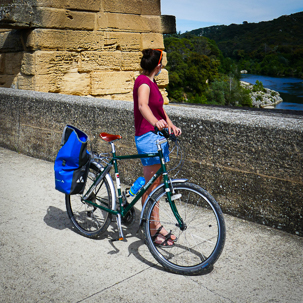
x=125 y=195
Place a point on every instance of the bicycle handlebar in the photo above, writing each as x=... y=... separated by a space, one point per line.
x=166 y=134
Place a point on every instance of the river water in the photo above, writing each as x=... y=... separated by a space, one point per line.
x=290 y=89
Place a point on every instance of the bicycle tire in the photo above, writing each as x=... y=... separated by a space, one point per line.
x=199 y=246
x=91 y=221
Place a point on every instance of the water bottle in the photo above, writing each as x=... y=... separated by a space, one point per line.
x=136 y=186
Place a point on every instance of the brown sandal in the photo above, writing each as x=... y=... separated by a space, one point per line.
x=166 y=238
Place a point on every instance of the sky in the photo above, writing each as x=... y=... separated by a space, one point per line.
x=194 y=14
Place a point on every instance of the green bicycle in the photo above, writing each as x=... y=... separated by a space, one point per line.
x=186 y=209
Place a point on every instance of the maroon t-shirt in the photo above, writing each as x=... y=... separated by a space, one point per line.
x=155 y=103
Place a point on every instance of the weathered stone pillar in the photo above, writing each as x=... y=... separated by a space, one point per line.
x=88 y=48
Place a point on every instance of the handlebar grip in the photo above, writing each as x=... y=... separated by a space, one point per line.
x=166 y=134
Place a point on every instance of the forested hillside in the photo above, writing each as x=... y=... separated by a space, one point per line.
x=198 y=73
x=273 y=48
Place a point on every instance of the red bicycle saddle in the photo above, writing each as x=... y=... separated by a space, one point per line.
x=108 y=137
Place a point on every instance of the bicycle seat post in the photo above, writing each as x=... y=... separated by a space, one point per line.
x=113 y=147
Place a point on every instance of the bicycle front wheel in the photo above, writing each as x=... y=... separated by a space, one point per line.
x=89 y=220
x=200 y=243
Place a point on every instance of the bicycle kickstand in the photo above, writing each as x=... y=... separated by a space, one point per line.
x=121 y=236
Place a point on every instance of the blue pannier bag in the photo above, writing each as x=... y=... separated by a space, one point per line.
x=72 y=162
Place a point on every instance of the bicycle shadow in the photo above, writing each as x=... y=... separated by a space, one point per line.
x=58 y=219
x=129 y=231
x=133 y=231
x=134 y=249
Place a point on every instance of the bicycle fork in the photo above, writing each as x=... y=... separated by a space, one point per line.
x=171 y=197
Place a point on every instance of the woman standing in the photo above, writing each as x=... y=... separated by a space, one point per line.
x=148 y=113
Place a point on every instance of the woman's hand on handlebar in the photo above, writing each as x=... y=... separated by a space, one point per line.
x=172 y=129
x=160 y=124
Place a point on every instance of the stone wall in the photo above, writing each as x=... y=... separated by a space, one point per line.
x=250 y=160
x=87 y=48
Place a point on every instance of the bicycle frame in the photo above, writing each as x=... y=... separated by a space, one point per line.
x=113 y=162
x=190 y=247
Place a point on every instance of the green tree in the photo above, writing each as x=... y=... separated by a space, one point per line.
x=192 y=63
x=196 y=73
x=273 y=48
x=228 y=91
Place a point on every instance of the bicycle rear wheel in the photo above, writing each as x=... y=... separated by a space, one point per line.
x=89 y=220
x=200 y=244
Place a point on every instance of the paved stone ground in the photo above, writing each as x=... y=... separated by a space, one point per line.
x=42 y=259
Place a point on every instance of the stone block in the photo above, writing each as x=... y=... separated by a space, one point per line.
x=164 y=59
x=122 y=41
x=126 y=22
x=10 y=40
x=151 y=7
x=12 y=63
x=151 y=40
x=162 y=79
x=60 y=18
x=91 y=61
x=121 y=97
x=84 y=40
x=168 y=24
x=44 y=62
x=287 y=147
x=49 y=83
x=87 y=5
x=243 y=148
x=25 y=82
x=75 y=83
x=106 y=83
x=164 y=95
x=51 y=64
x=139 y=7
x=133 y=23
x=28 y=64
x=131 y=61
x=56 y=63
x=6 y=80
x=53 y=14
x=101 y=21
x=17 y=14
x=122 y=6
x=153 y=23
x=48 y=39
